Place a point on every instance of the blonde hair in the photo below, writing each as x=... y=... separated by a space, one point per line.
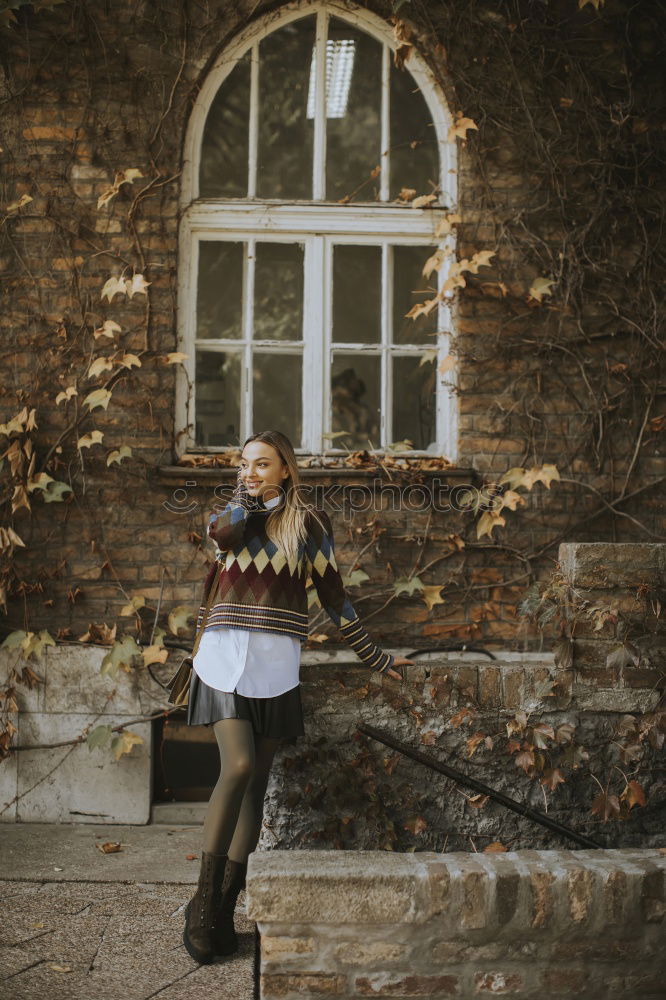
x=287 y=525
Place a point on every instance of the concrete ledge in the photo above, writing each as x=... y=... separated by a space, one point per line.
x=525 y=923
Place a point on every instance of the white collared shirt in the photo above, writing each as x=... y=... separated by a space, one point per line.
x=254 y=663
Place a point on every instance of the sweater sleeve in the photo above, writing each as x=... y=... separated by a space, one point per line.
x=323 y=568
x=227 y=528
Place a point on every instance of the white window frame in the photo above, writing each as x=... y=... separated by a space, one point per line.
x=318 y=224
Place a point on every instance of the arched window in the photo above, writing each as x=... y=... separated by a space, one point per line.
x=300 y=257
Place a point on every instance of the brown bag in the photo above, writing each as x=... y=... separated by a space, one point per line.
x=179 y=685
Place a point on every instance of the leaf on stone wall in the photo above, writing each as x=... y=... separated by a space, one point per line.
x=88 y=440
x=552 y=778
x=355 y=579
x=525 y=760
x=460 y=127
x=128 y=360
x=633 y=795
x=487 y=522
x=178 y=619
x=113 y=286
x=606 y=806
x=54 y=491
x=15 y=205
x=431 y=595
x=416 y=825
x=98 y=366
x=473 y=743
x=405 y=586
x=136 y=602
x=539 y=288
x=108 y=329
x=20 y=498
x=99 y=633
x=124 y=741
x=477 y=801
x=177 y=358
x=98 y=737
x=136 y=285
x=9 y=540
x=119 y=454
x=66 y=395
x=494 y=848
x=120 y=656
x=99 y=397
x=154 y=654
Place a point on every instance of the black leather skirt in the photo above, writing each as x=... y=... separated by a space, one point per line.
x=279 y=716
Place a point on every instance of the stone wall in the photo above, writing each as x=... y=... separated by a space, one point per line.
x=340 y=789
x=527 y=924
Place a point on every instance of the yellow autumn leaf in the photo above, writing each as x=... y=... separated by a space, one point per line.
x=431 y=595
x=123 y=742
x=40 y=482
x=88 y=440
x=66 y=395
x=178 y=619
x=119 y=454
x=174 y=358
x=461 y=127
x=108 y=329
x=112 y=286
x=15 y=205
x=127 y=360
x=487 y=522
x=154 y=654
x=136 y=602
x=423 y=199
x=539 y=288
x=98 y=366
x=100 y=397
x=136 y=285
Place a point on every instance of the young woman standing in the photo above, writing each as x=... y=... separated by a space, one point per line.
x=245 y=681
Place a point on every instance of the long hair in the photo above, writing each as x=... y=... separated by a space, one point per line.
x=286 y=525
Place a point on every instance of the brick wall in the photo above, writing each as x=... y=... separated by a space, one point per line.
x=528 y=924
x=86 y=98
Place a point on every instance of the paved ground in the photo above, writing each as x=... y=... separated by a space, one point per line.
x=78 y=924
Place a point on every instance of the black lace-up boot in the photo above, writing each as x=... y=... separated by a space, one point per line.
x=225 y=940
x=200 y=911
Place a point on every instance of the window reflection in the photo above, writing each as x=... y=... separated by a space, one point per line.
x=414 y=398
x=219 y=290
x=278 y=291
x=355 y=400
x=224 y=148
x=217 y=398
x=277 y=386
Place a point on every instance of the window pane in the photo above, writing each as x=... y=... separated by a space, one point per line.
x=410 y=288
x=278 y=291
x=353 y=112
x=220 y=289
x=357 y=289
x=414 y=388
x=217 y=396
x=277 y=384
x=411 y=125
x=355 y=401
x=284 y=167
x=224 y=148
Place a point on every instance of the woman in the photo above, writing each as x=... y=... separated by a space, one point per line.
x=245 y=681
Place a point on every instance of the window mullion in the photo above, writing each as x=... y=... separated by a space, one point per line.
x=387 y=339
x=248 y=325
x=385 y=161
x=314 y=323
x=319 y=158
x=253 y=125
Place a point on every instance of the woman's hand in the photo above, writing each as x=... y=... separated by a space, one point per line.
x=399 y=661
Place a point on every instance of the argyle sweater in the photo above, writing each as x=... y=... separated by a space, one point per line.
x=260 y=588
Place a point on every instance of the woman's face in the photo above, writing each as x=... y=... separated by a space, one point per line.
x=262 y=469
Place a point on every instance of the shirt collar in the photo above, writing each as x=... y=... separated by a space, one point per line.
x=273 y=502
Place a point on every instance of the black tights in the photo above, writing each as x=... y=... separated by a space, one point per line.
x=235 y=811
